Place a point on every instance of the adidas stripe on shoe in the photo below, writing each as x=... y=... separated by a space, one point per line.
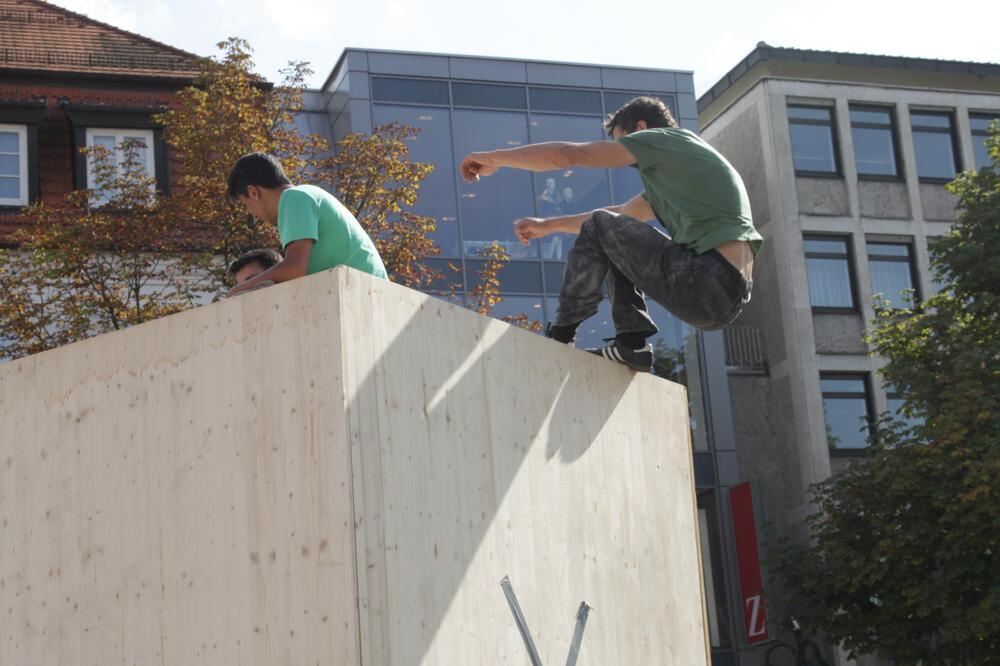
x=640 y=360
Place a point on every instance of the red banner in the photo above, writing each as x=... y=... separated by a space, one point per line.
x=748 y=559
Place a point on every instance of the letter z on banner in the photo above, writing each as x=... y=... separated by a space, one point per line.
x=748 y=559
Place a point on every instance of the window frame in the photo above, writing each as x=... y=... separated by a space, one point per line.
x=910 y=259
x=119 y=133
x=955 y=148
x=23 y=172
x=838 y=167
x=838 y=395
x=851 y=274
x=900 y=175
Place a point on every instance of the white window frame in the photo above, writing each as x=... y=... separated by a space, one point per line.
x=22 y=147
x=120 y=135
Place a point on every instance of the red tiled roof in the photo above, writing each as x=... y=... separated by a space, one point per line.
x=36 y=35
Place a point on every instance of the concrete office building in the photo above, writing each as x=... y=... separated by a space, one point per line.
x=461 y=104
x=845 y=157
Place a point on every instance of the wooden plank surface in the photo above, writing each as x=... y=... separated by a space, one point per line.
x=340 y=470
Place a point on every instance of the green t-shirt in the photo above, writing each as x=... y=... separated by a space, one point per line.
x=307 y=211
x=694 y=191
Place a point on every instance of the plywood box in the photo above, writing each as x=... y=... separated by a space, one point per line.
x=340 y=470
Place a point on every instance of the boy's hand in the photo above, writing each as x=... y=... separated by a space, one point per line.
x=528 y=228
x=478 y=164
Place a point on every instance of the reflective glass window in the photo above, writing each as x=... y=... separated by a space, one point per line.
x=13 y=165
x=980 y=126
x=417 y=91
x=528 y=307
x=828 y=271
x=895 y=401
x=574 y=190
x=436 y=196
x=515 y=276
x=874 y=141
x=812 y=132
x=934 y=145
x=478 y=94
x=846 y=408
x=891 y=269
x=488 y=208
x=565 y=99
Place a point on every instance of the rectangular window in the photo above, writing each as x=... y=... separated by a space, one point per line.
x=980 y=125
x=873 y=134
x=497 y=97
x=892 y=273
x=13 y=165
x=847 y=409
x=416 y=91
x=566 y=100
x=828 y=267
x=894 y=401
x=814 y=148
x=114 y=140
x=934 y=145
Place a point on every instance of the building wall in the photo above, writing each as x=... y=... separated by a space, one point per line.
x=779 y=418
x=54 y=165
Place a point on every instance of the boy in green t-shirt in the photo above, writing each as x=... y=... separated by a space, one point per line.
x=701 y=272
x=317 y=232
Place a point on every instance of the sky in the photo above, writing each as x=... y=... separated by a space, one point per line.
x=708 y=39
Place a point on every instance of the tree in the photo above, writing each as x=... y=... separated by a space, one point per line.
x=905 y=543
x=83 y=269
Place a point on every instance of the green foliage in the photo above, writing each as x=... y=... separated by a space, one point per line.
x=905 y=542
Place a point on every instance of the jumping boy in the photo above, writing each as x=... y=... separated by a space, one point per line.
x=701 y=272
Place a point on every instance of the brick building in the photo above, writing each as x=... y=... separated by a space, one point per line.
x=68 y=81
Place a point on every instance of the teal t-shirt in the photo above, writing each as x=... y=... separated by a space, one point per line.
x=695 y=192
x=307 y=211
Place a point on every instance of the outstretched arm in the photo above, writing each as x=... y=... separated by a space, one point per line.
x=547 y=157
x=535 y=227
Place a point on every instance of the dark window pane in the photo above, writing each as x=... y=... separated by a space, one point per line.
x=553 y=277
x=980 y=124
x=515 y=276
x=488 y=208
x=845 y=422
x=892 y=279
x=921 y=120
x=420 y=91
x=874 y=116
x=10 y=188
x=616 y=100
x=475 y=94
x=874 y=151
x=834 y=384
x=568 y=191
x=829 y=283
x=809 y=113
x=935 y=155
x=888 y=249
x=436 y=197
x=826 y=246
x=564 y=99
x=845 y=405
x=10 y=142
x=449 y=277
x=626 y=184
x=812 y=148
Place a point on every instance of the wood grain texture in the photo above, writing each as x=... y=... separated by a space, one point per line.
x=339 y=470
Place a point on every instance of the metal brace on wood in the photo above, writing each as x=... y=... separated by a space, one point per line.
x=581 y=622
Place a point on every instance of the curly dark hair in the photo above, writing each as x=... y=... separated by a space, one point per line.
x=266 y=257
x=650 y=109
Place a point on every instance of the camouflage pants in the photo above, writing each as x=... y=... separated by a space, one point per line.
x=705 y=290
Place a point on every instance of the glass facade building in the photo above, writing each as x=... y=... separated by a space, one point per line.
x=464 y=104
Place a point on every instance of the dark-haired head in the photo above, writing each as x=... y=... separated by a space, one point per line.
x=259 y=169
x=251 y=263
x=651 y=111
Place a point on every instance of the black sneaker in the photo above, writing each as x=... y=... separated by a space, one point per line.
x=640 y=360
